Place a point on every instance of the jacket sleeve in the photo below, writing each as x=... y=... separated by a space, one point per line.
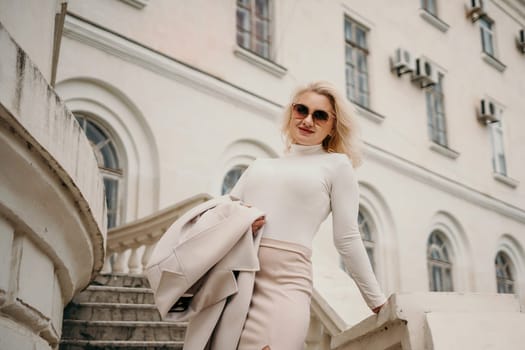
x=344 y=199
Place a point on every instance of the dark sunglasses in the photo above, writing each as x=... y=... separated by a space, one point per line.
x=301 y=111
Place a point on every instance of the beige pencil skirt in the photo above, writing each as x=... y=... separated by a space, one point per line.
x=279 y=312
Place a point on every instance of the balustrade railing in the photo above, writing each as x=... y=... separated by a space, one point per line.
x=129 y=246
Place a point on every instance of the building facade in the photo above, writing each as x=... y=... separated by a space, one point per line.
x=179 y=97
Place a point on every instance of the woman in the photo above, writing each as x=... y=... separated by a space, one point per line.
x=297 y=192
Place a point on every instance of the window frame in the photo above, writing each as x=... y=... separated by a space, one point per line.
x=445 y=266
x=425 y=6
x=486 y=25
x=499 y=164
x=354 y=88
x=436 y=116
x=114 y=215
x=253 y=40
x=508 y=279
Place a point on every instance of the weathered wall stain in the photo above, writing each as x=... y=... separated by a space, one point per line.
x=20 y=67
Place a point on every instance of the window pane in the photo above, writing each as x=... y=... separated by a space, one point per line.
x=110 y=156
x=261 y=8
x=439 y=266
x=348 y=55
x=111 y=189
x=244 y=3
x=94 y=134
x=361 y=61
x=261 y=30
x=348 y=30
x=360 y=35
x=243 y=19
x=231 y=178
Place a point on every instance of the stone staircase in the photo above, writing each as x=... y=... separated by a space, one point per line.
x=116 y=311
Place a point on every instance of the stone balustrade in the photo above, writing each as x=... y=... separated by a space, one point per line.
x=129 y=246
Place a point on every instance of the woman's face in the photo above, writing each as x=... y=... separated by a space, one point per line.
x=309 y=130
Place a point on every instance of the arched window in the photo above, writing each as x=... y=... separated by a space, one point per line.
x=439 y=263
x=108 y=164
x=504 y=275
x=231 y=178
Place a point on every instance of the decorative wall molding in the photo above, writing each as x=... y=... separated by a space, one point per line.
x=493 y=61
x=269 y=66
x=440 y=182
x=140 y=55
x=369 y=114
x=506 y=180
x=447 y=152
x=140 y=4
x=433 y=20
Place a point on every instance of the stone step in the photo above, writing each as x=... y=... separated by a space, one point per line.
x=121 y=280
x=119 y=345
x=111 y=312
x=123 y=295
x=123 y=330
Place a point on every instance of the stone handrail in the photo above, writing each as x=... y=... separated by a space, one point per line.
x=328 y=331
x=129 y=246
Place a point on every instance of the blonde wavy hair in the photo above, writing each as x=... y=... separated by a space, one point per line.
x=345 y=136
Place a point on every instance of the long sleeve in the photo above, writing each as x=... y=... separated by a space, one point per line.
x=344 y=198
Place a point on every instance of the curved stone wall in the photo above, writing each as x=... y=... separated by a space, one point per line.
x=52 y=211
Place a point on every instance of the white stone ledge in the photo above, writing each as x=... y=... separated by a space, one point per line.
x=447 y=152
x=140 y=4
x=433 y=20
x=506 y=180
x=404 y=320
x=493 y=61
x=369 y=114
x=265 y=64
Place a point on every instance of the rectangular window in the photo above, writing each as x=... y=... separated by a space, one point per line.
x=253 y=26
x=356 y=55
x=498 y=151
x=437 y=130
x=430 y=6
x=487 y=36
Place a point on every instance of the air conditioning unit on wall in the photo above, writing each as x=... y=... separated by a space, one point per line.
x=520 y=40
x=488 y=112
x=402 y=62
x=425 y=73
x=476 y=9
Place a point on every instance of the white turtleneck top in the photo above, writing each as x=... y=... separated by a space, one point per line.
x=297 y=192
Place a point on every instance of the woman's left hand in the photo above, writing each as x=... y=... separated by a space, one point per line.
x=257 y=224
x=377 y=309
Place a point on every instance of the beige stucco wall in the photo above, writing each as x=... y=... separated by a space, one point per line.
x=23 y=19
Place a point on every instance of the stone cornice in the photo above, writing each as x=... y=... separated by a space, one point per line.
x=436 y=180
x=117 y=45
